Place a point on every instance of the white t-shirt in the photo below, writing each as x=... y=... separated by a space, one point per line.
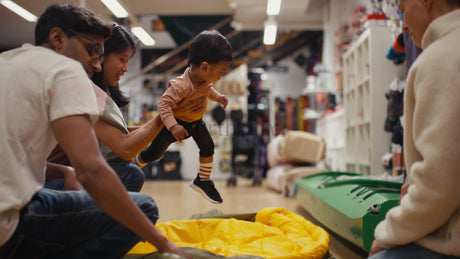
x=37 y=86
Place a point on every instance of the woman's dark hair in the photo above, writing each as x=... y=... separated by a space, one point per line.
x=69 y=17
x=118 y=41
x=211 y=47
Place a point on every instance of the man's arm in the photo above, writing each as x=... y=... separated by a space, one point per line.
x=77 y=139
x=127 y=146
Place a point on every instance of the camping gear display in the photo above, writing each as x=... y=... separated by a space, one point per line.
x=275 y=233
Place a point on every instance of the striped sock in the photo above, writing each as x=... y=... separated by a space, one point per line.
x=138 y=162
x=205 y=171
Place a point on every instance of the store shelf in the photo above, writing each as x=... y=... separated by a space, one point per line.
x=367 y=76
x=331 y=128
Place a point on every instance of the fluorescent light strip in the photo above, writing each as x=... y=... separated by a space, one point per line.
x=19 y=10
x=273 y=7
x=143 y=36
x=115 y=8
x=270 y=33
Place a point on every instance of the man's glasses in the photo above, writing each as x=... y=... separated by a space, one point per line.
x=95 y=52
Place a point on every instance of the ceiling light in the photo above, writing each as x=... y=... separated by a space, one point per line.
x=270 y=32
x=273 y=7
x=115 y=8
x=236 y=25
x=143 y=36
x=19 y=10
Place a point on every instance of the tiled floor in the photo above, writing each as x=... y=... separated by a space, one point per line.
x=177 y=201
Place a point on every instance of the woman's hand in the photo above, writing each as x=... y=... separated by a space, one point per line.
x=404 y=188
x=375 y=248
x=70 y=179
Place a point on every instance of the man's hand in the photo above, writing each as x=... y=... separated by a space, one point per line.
x=171 y=248
x=179 y=132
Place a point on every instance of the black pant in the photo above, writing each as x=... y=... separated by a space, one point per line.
x=160 y=144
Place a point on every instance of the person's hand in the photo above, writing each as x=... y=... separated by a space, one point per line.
x=171 y=248
x=223 y=100
x=375 y=248
x=70 y=179
x=404 y=188
x=179 y=132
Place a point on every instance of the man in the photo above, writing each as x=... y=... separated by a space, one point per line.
x=46 y=97
x=426 y=224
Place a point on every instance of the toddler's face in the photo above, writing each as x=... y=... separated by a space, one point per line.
x=216 y=71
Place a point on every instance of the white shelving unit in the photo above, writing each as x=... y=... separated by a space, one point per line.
x=367 y=76
x=331 y=128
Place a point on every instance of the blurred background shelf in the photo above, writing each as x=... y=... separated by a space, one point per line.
x=367 y=76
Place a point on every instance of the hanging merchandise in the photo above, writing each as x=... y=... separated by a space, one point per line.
x=397 y=51
x=306 y=104
x=289 y=114
x=395 y=106
x=394 y=124
x=398 y=159
x=395 y=109
x=245 y=143
x=280 y=116
x=218 y=114
x=258 y=114
x=299 y=113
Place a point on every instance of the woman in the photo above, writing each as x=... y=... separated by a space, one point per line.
x=118 y=143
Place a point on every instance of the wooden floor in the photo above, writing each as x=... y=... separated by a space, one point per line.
x=177 y=201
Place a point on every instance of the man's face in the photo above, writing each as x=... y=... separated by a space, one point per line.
x=86 y=49
x=416 y=18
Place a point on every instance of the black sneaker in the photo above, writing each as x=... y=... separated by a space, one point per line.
x=207 y=189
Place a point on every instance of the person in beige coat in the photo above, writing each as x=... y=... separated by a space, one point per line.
x=426 y=224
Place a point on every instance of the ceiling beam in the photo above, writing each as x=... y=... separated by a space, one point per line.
x=283 y=50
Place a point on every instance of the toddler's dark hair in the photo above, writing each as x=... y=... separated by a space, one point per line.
x=211 y=47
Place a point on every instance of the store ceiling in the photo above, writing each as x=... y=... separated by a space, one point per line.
x=248 y=15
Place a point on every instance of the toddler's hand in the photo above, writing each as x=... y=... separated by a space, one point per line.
x=179 y=132
x=223 y=100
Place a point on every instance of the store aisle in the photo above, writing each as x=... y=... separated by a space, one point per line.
x=177 y=201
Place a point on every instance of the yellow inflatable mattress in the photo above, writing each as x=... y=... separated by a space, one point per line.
x=276 y=233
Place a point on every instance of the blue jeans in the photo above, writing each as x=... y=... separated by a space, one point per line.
x=411 y=251
x=69 y=224
x=130 y=175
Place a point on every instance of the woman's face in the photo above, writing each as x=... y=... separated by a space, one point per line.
x=416 y=18
x=115 y=65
